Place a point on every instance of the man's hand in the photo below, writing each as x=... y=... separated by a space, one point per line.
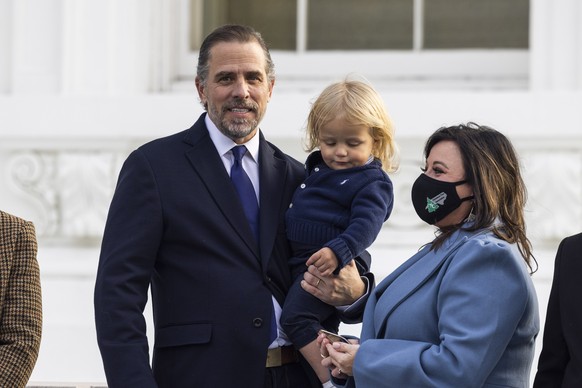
x=336 y=290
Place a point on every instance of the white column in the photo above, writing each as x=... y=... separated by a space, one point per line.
x=108 y=46
x=5 y=45
x=556 y=44
x=35 y=65
x=165 y=43
x=578 y=45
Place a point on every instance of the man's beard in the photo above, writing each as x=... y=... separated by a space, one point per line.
x=237 y=128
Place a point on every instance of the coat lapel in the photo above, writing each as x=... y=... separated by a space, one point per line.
x=272 y=176
x=407 y=279
x=208 y=165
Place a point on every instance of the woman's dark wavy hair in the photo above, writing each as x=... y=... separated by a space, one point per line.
x=492 y=169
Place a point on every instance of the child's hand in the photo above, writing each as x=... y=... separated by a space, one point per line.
x=324 y=260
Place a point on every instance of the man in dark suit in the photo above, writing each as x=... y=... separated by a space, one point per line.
x=560 y=362
x=176 y=223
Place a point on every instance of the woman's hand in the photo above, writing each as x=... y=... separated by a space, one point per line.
x=338 y=357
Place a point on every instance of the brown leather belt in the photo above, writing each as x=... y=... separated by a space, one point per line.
x=281 y=356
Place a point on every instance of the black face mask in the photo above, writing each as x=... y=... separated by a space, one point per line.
x=433 y=200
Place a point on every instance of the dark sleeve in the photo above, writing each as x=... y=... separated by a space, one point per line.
x=354 y=312
x=562 y=341
x=128 y=252
x=371 y=206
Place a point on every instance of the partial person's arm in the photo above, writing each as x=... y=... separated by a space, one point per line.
x=130 y=243
x=20 y=307
x=562 y=341
x=370 y=208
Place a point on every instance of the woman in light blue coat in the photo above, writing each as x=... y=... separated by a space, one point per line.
x=462 y=312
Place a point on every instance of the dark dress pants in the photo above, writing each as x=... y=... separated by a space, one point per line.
x=291 y=376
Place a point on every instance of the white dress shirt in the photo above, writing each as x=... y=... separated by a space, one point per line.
x=250 y=164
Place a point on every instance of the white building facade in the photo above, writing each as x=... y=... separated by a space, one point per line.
x=84 y=82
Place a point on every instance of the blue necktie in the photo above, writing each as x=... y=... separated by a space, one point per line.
x=246 y=192
x=244 y=188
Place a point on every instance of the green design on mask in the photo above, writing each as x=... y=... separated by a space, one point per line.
x=431 y=205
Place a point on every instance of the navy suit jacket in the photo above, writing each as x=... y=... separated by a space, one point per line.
x=560 y=363
x=176 y=223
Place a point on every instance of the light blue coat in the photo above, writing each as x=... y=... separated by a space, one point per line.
x=463 y=316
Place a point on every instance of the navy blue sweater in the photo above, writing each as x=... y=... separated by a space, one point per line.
x=340 y=209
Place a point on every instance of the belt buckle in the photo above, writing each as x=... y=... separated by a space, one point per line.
x=274 y=357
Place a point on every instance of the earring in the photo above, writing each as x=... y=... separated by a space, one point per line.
x=471 y=216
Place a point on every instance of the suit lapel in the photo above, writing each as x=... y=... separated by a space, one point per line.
x=272 y=175
x=208 y=165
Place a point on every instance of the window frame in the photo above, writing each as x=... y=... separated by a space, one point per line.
x=454 y=68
